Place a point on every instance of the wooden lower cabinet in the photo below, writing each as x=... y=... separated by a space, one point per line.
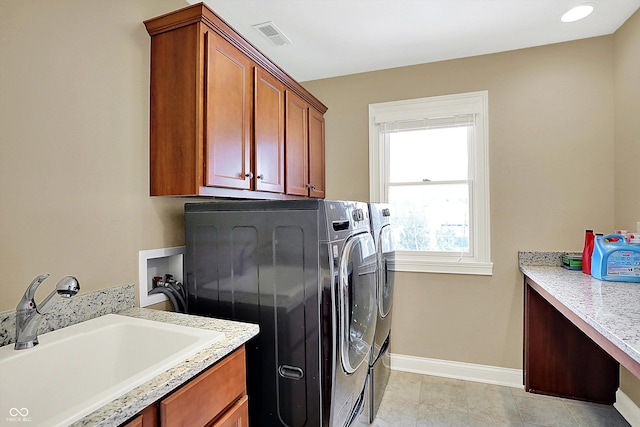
x=562 y=360
x=237 y=416
x=215 y=398
x=147 y=418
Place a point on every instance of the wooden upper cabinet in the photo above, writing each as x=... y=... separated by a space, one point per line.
x=304 y=148
x=228 y=105
x=297 y=126
x=175 y=134
x=269 y=132
x=219 y=115
x=316 y=154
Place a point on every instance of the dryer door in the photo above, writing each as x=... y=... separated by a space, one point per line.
x=387 y=264
x=357 y=300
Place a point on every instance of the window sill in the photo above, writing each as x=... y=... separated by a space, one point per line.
x=453 y=266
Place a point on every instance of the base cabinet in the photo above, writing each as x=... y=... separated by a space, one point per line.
x=217 y=397
x=560 y=359
x=147 y=418
x=237 y=416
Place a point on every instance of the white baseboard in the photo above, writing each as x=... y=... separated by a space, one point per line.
x=627 y=408
x=458 y=370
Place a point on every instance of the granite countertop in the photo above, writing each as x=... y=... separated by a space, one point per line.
x=611 y=308
x=128 y=405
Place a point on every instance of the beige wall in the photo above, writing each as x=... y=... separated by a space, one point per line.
x=627 y=123
x=627 y=145
x=74 y=137
x=74 y=85
x=550 y=129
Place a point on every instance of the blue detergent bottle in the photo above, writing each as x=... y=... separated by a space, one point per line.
x=615 y=260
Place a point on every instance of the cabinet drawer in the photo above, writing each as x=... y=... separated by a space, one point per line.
x=236 y=416
x=204 y=398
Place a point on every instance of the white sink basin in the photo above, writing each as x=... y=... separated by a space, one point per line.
x=78 y=369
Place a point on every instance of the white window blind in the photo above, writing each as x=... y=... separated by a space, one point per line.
x=427 y=123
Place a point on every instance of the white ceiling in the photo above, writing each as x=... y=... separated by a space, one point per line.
x=339 y=37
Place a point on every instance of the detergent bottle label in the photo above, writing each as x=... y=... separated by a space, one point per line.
x=624 y=263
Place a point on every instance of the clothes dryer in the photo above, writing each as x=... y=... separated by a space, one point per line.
x=380 y=362
x=304 y=270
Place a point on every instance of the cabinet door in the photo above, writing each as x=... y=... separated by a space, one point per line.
x=228 y=106
x=297 y=167
x=268 y=132
x=316 y=154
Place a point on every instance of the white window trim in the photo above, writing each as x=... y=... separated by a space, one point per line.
x=439 y=106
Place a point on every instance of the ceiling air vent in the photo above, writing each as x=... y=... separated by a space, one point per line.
x=272 y=33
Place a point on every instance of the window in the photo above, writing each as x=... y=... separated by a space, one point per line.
x=428 y=158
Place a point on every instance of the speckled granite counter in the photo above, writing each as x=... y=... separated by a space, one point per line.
x=126 y=406
x=611 y=308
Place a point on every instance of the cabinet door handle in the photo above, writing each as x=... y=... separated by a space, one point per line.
x=248 y=175
x=313 y=187
x=308 y=185
x=261 y=176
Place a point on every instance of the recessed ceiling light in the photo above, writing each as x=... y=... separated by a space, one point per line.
x=577 y=13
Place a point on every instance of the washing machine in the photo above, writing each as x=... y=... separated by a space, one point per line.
x=380 y=362
x=305 y=271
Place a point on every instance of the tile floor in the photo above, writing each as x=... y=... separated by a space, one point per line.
x=414 y=400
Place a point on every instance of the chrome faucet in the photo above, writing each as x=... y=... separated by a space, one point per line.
x=29 y=315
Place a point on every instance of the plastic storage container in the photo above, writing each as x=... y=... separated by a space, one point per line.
x=615 y=260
